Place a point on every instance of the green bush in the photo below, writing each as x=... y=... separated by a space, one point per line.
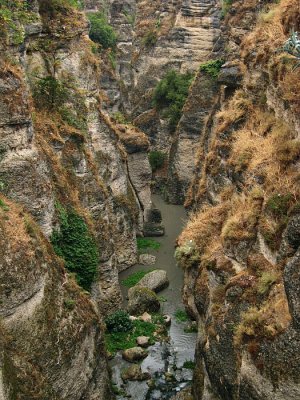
x=212 y=67
x=118 y=322
x=156 y=159
x=101 y=32
x=76 y=246
x=189 y=364
x=171 y=94
x=50 y=93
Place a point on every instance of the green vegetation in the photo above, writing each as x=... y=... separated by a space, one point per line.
x=226 y=6
x=126 y=340
x=150 y=38
x=49 y=93
x=189 y=364
x=70 y=304
x=117 y=338
x=156 y=159
x=101 y=32
x=279 y=204
x=181 y=316
x=120 y=118
x=192 y=328
x=144 y=244
x=267 y=279
x=13 y=14
x=73 y=119
x=3 y=205
x=171 y=94
x=212 y=67
x=134 y=278
x=76 y=246
x=118 y=322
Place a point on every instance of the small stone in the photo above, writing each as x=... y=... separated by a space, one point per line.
x=147 y=259
x=167 y=320
x=134 y=354
x=145 y=317
x=132 y=318
x=143 y=341
x=134 y=373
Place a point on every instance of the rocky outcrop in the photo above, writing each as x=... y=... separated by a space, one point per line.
x=240 y=248
x=51 y=336
x=60 y=153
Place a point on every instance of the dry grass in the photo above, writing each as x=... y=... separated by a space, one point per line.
x=267 y=321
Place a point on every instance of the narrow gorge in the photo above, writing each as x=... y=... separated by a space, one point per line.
x=149 y=146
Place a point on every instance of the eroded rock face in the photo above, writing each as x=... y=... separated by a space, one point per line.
x=51 y=335
x=241 y=274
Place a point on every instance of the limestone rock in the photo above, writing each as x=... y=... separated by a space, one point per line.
x=145 y=317
x=142 y=299
x=147 y=259
x=155 y=280
x=134 y=354
x=143 y=341
x=134 y=373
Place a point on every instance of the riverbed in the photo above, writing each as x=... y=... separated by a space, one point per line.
x=165 y=360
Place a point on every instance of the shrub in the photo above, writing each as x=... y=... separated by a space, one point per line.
x=156 y=159
x=76 y=246
x=212 y=67
x=150 y=39
x=171 y=94
x=49 y=93
x=118 y=322
x=101 y=32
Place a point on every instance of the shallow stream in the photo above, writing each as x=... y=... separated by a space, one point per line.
x=165 y=360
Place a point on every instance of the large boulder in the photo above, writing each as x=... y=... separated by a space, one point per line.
x=134 y=354
x=155 y=280
x=142 y=300
x=134 y=373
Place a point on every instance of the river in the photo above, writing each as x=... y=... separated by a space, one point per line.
x=166 y=357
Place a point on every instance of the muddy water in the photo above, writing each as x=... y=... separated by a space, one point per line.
x=166 y=357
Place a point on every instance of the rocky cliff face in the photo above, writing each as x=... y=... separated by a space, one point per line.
x=240 y=249
x=60 y=151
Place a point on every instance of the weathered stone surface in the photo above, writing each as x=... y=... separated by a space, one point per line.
x=155 y=280
x=142 y=299
x=147 y=259
x=134 y=373
x=134 y=354
x=143 y=341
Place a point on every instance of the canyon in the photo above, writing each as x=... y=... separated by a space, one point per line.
x=78 y=126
